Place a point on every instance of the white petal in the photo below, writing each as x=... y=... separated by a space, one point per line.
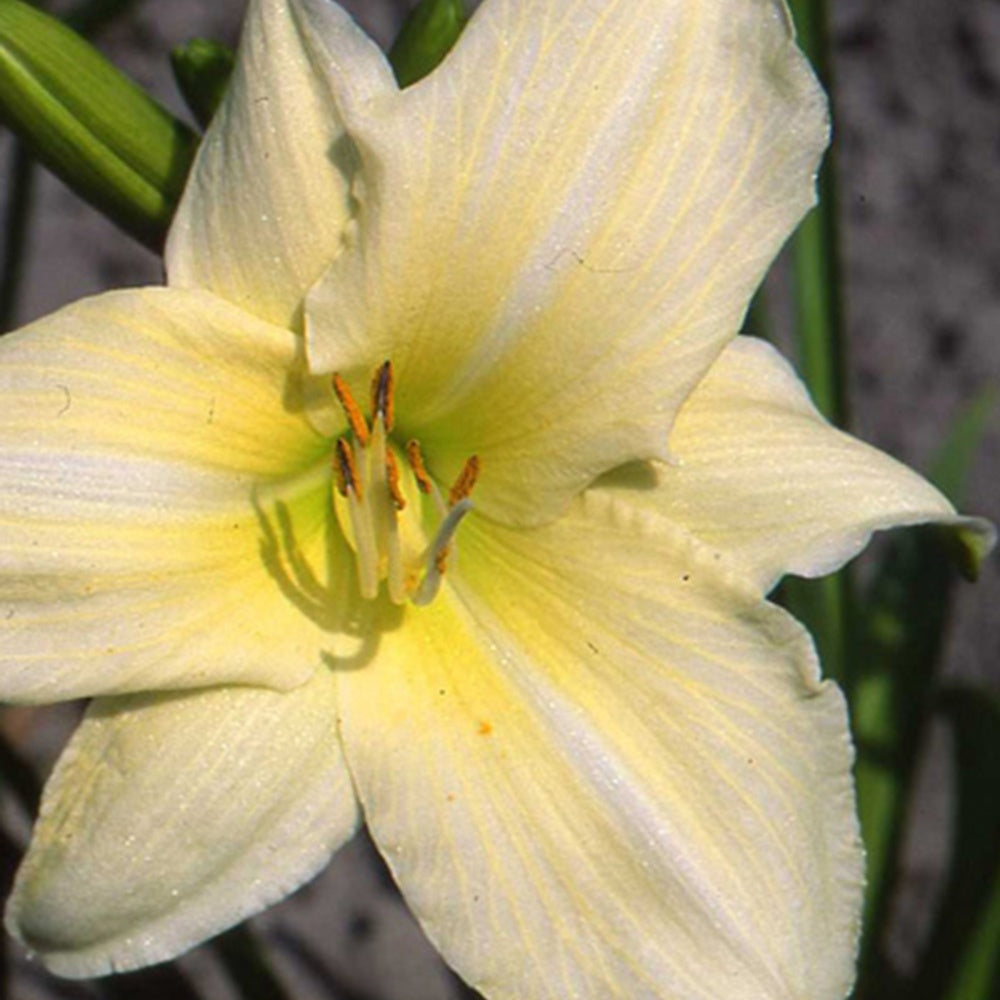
x=268 y=203
x=562 y=225
x=601 y=766
x=760 y=474
x=155 y=531
x=171 y=817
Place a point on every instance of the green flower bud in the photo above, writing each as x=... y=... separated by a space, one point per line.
x=202 y=69
x=89 y=124
x=426 y=38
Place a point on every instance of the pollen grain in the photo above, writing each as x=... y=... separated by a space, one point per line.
x=351 y=409
x=465 y=481
x=392 y=481
x=383 y=395
x=416 y=460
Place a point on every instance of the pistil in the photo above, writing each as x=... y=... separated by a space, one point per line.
x=349 y=485
x=436 y=560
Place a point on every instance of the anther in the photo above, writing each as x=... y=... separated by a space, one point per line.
x=392 y=481
x=416 y=460
x=465 y=481
x=383 y=386
x=351 y=410
x=346 y=470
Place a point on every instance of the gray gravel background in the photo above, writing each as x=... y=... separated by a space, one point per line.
x=918 y=92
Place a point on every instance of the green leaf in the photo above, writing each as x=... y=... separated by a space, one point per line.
x=20 y=199
x=824 y=606
x=202 y=69
x=901 y=617
x=949 y=473
x=902 y=621
x=962 y=958
x=950 y=469
x=426 y=38
x=815 y=250
x=89 y=124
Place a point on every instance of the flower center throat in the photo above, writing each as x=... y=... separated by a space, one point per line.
x=379 y=507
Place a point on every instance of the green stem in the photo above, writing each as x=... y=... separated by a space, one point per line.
x=817 y=281
x=247 y=968
x=20 y=191
x=815 y=249
x=823 y=605
x=757 y=322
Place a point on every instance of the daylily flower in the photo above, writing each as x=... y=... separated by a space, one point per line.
x=598 y=762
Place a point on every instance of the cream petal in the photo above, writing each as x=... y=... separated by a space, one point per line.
x=268 y=203
x=601 y=765
x=761 y=475
x=171 y=817
x=153 y=533
x=561 y=226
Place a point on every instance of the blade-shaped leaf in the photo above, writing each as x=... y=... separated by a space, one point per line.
x=902 y=618
x=962 y=958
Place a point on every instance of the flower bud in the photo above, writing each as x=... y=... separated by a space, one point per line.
x=89 y=124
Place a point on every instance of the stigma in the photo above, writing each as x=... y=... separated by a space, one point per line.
x=380 y=496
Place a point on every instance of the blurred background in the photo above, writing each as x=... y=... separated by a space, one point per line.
x=917 y=132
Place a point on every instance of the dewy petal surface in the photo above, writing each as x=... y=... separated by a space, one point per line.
x=171 y=817
x=608 y=768
x=761 y=475
x=146 y=442
x=561 y=226
x=268 y=202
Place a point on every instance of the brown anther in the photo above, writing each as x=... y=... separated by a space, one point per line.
x=416 y=460
x=383 y=387
x=392 y=480
x=466 y=480
x=441 y=560
x=346 y=469
x=351 y=410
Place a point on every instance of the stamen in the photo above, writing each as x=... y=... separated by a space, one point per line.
x=351 y=410
x=383 y=388
x=416 y=460
x=437 y=555
x=424 y=482
x=392 y=478
x=370 y=500
x=346 y=469
x=466 y=480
